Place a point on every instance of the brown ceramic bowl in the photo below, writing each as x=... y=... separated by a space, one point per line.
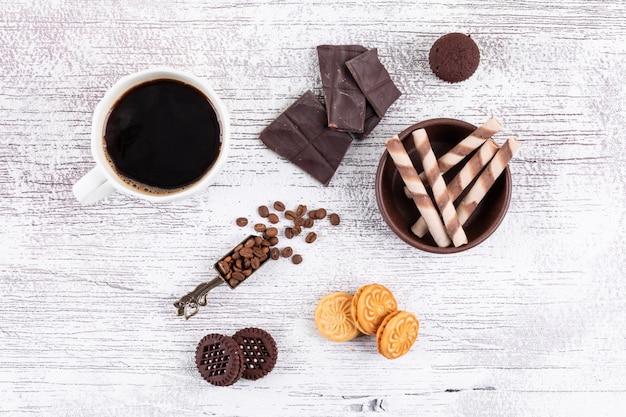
x=400 y=213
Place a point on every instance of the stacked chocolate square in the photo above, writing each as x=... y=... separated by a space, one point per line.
x=357 y=93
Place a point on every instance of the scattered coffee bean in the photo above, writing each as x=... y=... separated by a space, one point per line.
x=249 y=243
x=264 y=211
x=273 y=241
x=296 y=259
x=274 y=253
x=286 y=252
x=259 y=227
x=290 y=214
x=321 y=213
x=310 y=237
x=308 y=223
x=288 y=233
x=241 y=221
x=334 y=219
x=296 y=230
x=279 y=206
x=299 y=221
x=313 y=214
x=273 y=218
x=271 y=232
x=301 y=210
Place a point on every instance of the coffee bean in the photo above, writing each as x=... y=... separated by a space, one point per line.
x=321 y=213
x=288 y=233
x=223 y=267
x=273 y=241
x=301 y=210
x=274 y=253
x=254 y=263
x=266 y=242
x=258 y=240
x=310 y=237
x=271 y=232
x=279 y=206
x=286 y=252
x=296 y=259
x=290 y=214
x=238 y=276
x=296 y=230
x=308 y=223
x=259 y=227
x=233 y=282
x=313 y=214
x=263 y=211
x=273 y=218
x=334 y=219
x=241 y=221
x=299 y=221
x=249 y=243
x=246 y=253
x=248 y=272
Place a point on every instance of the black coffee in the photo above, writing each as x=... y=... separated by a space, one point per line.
x=162 y=134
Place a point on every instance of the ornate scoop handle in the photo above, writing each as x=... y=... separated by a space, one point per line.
x=189 y=304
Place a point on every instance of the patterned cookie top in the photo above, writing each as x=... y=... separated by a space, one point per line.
x=219 y=359
x=259 y=352
x=370 y=305
x=397 y=334
x=333 y=318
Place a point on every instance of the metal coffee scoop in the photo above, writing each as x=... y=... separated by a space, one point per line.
x=189 y=304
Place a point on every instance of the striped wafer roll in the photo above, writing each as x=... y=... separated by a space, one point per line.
x=438 y=185
x=418 y=192
x=467 y=145
x=486 y=179
x=462 y=179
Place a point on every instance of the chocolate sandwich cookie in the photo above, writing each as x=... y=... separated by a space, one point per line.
x=259 y=352
x=219 y=359
x=454 y=57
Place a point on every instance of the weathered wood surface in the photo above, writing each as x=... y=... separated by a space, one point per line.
x=531 y=322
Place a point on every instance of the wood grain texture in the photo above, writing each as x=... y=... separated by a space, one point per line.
x=531 y=322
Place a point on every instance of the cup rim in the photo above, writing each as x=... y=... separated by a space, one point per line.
x=405 y=235
x=129 y=81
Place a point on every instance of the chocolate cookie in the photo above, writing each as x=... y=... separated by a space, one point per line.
x=454 y=57
x=259 y=352
x=219 y=359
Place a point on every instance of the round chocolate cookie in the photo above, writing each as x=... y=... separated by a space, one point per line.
x=454 y=57
x=259 y=352
x=219 y=359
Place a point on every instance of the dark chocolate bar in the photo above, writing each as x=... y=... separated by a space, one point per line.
x=374 y=81
x=345 y=102
x=371 y=121
x=301 y=134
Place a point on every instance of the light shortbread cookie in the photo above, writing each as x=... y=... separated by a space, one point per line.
x=397 y=334
x=370 y=305
x=333 y=317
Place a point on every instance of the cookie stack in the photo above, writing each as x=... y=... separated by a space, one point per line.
x=372 y=310
x=250 y=353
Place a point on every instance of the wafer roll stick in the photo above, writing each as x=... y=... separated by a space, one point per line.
x=438 y=185
x=418 y=192
x=467 y=145
x=486 y=179
x=462 y=179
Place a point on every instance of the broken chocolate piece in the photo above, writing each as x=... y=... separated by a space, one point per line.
x=301 y=135
x=345 y=102
x=374 y=81
x=371 y=121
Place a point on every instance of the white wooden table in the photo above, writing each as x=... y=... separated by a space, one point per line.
x=531 y=322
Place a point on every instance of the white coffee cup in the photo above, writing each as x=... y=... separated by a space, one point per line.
x=103 y=179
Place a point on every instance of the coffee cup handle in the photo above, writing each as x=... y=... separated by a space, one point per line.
x=92 y=187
